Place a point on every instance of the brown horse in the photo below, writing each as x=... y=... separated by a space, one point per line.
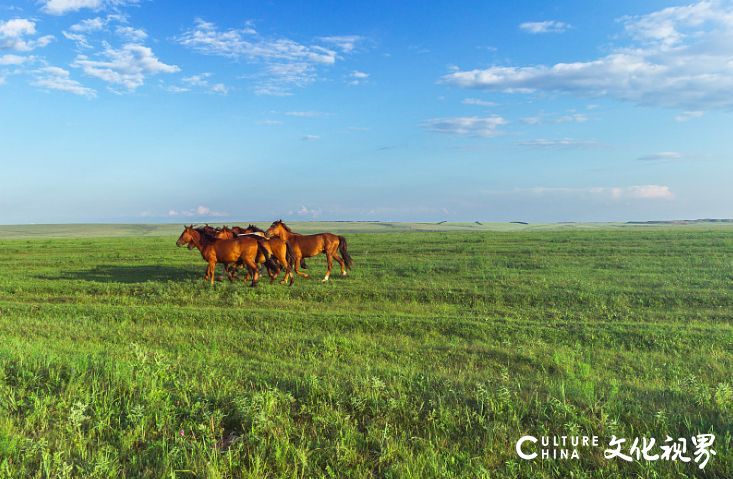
x=281 y=254
x=224 y=233
x=227 y=251
x=305 y=246
x=212 y=233
x=230 y=233
x=252 y=229
x=207 y=234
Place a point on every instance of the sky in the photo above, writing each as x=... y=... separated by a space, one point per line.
x=167 y=111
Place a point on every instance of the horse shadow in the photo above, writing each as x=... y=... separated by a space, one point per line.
x=130 y=274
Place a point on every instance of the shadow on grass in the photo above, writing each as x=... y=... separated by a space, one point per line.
x=131 y=274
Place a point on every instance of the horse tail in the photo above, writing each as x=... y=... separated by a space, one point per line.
x=262 y=247
x=345 y=254
x=272 y=265
x=289 y=256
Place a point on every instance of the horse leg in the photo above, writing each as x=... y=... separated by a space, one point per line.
x=341 y=263
x=298 y=256
x=212 y=272
x=329 y=260
x=230 y=270
x=273 y=272
x=288 y=275
x=283 y=260
x=252 y=266
x=248 y=276
x=272 y=267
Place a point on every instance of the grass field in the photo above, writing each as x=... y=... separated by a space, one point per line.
x=431 y=359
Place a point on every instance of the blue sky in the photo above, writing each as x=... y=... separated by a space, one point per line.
x=152 y=110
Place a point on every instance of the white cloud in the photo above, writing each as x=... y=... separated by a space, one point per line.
x=285 y=63
x=358 y=77
x=177 y=89
x=688 y=115
x=276 y=79
x=477 y=102
x=17 y=27
x=548 y=26
x=661 y=156
x=270 y=89
x=89 y=25
x=572 y=118
x=197 y=80
x=220 y=88
x=467 y=125
x=305 y=211
x=671 y=26
x=80 y=39
x=127 y=66
x=15 y=60
x=78 y=32
x=679 y=58
x=569 y=117
x=201 y=81
x=198 y=211
x=246 y=43
x=311 y=138
x=56 y=78
x=14 y=31
x=132 y=34
x=307 y=114
x=345 y=43
x=62 y=7
x=637 y=192
x=559 y=144
x=270 y=122
x=652 y=192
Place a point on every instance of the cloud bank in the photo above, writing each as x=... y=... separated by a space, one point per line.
x=678 y=57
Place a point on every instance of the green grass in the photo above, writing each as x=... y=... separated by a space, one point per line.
x=438 y=352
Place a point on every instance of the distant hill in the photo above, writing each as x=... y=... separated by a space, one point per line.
x=681 y=222
x=339 y=227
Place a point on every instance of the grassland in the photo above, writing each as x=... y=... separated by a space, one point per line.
x=430 y=360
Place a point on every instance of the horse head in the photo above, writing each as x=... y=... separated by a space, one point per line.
x=187 y=237
x=223 y=233
x=277 y=228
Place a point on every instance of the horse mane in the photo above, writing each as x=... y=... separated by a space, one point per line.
x=254 y=228
x=206 y=232
x=280 y=222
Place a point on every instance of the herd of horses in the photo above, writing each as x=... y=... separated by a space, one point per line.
x=277 y=249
